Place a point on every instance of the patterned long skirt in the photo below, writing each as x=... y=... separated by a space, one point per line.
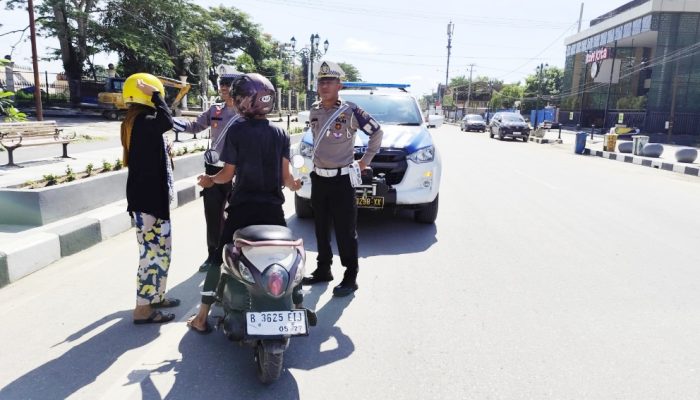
x=154 y=237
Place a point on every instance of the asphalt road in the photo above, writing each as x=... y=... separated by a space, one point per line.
x=548 y=275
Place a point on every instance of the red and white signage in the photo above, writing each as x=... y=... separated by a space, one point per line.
x=598 y=55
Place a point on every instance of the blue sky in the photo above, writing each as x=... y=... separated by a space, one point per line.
x=401 y=41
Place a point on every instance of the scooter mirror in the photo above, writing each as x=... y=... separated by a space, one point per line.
x=297 y=161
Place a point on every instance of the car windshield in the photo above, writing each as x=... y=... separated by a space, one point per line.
x=476 y=118
x=393 y=110
x=513 y=118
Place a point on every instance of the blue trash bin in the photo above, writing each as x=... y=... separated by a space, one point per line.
x=580 y=142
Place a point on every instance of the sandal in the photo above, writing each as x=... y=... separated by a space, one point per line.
x=166 y=303
x=156 y=317
x=207 y=328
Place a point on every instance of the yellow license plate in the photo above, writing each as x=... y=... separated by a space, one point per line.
x=370 y=202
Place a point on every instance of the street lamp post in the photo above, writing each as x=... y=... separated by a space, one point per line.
x=310 y=54
x=540 y=73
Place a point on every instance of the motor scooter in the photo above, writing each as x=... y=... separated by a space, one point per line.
x=262 y=267
x=259 y=291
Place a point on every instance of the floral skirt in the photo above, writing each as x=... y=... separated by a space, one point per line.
x=155 y=242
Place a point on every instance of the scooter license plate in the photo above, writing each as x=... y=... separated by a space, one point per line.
x=370 y=202
x=275 y=323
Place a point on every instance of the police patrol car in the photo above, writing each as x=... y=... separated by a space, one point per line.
x=406 y=170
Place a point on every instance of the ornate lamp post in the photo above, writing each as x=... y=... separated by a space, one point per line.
x=309 y=54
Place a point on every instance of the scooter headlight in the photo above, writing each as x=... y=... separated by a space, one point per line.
x=245 y=272
x=275 y=280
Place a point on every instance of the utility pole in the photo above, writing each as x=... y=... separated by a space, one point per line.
x=539 y=90
x=35 y=63
x=469 y=88
x=580 y=18
x=450 y=31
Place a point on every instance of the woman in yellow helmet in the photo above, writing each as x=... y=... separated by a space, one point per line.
x=149 y=190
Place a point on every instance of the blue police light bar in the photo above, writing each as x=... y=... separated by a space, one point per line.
x=375 y=85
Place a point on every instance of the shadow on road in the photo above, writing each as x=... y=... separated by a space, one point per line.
x=379 y=233
x=81 y=365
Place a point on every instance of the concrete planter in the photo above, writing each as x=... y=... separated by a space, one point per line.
x=653 y=150
x=686 y=155
x=625 y=147
x=37 y=207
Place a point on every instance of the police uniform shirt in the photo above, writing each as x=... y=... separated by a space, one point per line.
x=215 y=118
x=336 y=146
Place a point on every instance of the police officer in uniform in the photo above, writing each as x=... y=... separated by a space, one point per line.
x=217 y=117
x=332 y=194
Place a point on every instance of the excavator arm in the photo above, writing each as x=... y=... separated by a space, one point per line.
x=184 y=89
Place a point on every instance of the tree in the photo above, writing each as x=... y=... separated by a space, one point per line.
x=508 y=96
x=70 y=22
x=351 y=73
x=548 y=88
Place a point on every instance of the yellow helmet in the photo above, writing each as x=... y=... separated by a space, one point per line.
x=132 y=94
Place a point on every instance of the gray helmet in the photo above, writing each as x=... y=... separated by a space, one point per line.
x=253 y=94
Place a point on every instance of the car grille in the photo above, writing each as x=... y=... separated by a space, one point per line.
x=391 y=162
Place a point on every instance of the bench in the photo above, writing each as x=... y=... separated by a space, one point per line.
x=31 y=133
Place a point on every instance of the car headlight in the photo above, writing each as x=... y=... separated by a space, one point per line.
x=306 y=150
x=426 y=154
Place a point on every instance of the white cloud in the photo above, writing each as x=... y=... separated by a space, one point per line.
x=352 y=44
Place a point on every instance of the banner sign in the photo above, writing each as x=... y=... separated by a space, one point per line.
x=598 y=55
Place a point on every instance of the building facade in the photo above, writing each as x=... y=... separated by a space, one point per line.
x=638 y=65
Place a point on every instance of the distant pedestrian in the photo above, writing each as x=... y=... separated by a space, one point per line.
x=218 y=117
x=149 y=191
x=334 y=123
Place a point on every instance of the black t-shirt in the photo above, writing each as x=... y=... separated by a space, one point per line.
x=256 y=149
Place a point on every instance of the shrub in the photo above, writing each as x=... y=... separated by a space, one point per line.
x=88 y=169
x=118 y=164
x=106 y=166
x=50 y=179
x=70 y=175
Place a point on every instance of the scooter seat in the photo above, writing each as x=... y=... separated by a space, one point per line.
x=258 y=233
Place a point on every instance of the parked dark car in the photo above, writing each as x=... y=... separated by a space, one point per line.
x=509 y=124
x=473 y=122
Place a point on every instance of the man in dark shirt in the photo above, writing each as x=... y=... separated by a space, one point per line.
x=258 y=155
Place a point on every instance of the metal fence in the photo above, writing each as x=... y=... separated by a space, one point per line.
x=647 y=121
x=20 y=79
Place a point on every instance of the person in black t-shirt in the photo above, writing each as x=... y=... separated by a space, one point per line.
x=258 y=155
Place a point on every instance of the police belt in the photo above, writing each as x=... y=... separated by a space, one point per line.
x=331 y=172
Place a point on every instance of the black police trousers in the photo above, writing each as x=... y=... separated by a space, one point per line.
x=215 y=199
x=333 y=202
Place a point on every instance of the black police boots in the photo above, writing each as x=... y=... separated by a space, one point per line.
x=318 y=276
x=348 y=285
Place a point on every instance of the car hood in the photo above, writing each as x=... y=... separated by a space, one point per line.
x=408 y=138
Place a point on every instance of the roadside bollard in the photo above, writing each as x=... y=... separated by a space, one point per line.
x=289 y=118
x=592 y=129
x=559 y=137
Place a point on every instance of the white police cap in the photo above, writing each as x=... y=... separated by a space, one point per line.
x=329 y=69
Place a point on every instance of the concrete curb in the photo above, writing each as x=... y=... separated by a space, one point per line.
x=37 y=248
x=645 y=161
x=543 y=140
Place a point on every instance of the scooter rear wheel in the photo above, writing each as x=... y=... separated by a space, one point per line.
x=269 y=365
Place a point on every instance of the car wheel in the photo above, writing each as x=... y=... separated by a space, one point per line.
x=302 y=207
x=500 y=135
x=427 y=214
x=525 y=138
x=491 y=133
